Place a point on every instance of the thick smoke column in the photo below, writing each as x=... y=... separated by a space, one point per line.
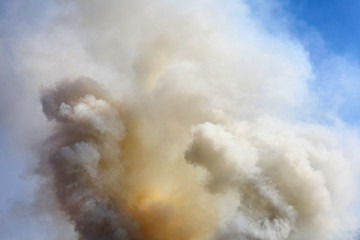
x=88 y=132
x=111 y=182
x=119 y=173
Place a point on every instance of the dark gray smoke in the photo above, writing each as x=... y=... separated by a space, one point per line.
x=80 y=119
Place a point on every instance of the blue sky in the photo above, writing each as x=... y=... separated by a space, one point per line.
x=334 y=30
x=328 y=29
x=335 y=20
x=330 y=33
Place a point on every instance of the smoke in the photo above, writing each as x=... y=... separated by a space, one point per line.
x=122 y=172
x=282 y=175
x=192 y=123
x=116 y=174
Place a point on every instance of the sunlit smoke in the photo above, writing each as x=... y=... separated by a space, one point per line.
x=189 y=125
x=120 y=172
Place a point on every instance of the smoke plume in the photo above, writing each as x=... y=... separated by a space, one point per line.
x=120 y=171
x=168 y=121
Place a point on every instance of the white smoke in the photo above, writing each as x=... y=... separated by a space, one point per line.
x=196 y=129
x=284 y=177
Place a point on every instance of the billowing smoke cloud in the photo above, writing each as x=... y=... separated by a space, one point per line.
x=116 y=173
x=190 y=124
x=282 y=176
x=89 y=132
x=120 y=172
